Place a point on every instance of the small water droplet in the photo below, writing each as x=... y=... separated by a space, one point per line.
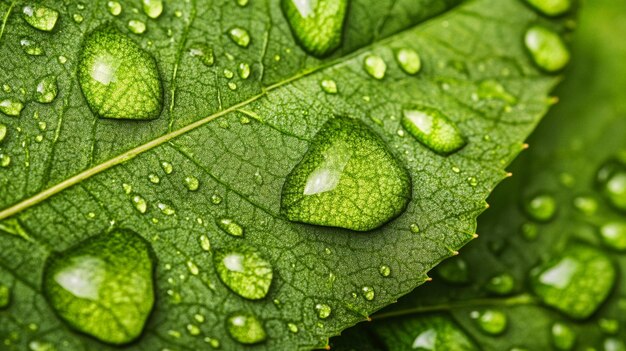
x=368 y=293
x=292 y=327
x=529 y=231
x=245 y=328
x=409 y=60
x=154 y=179
x=5 y=296
x=375 y=66
x=329 y=86
x=215 y=343
x=563 y=336
x=205 y=243
x=491 y=89
x=193 y=269
x=472 y=181
x=614 y=234
x=611 y=179
x=551 y=7
x=258 y=178
x=541 y=208
x=152 y=8
x=127 y=188
x=384 y=270
x=228 y=73
x=5 y=160
x=216 y=199
x=114 y=8
x=204 y=53
x=110 y=276
x=193 y=329
x=614 y=344
x=323 y=310
x=414 y=228
x=245 y=271
x=192 y=183
x=586 y=205
x=78 y=18
x=140 y=204
x=137 y=26
x=40 y=17
x=36 y=345
x=239 y=36
x=30 y=47
x=166 y=209
x=490 y=321
x=242 y=3
x=47 y=90
x=3 y=131
x=199 y=318
x=433 y=129
x=608 y=325
x=167 y=167
x=501 y=284
x=546 y=48
x=232 y=85
x=243 y=70
x=230 y=226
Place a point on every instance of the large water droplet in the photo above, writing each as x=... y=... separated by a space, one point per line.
x=11 y=107
x=230 y=226
x=375 y=66
x=576 y=282
x=541 y=208
x=118 y=78
x=41 y=17
x=245 y=328
x=563 y=336
x=546 y=48
x=323 y=310
x=317 y=25
x=239 y=36
x=244 y=270
x=409 y=60
x=322 y=189
x=5 y=296
x=152 y=8
x=47 y=90
x=454 y=271
x=490 y=321
x=433 y=129
x=614 y=234
x=103 y=286
x=551 y=7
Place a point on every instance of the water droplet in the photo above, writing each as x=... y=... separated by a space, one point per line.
x=199 y=318
x=166 y=209
x=192 y=183
x=529 y=231
x=114 y=7
x=611 y=179
x=154 y=179
x=193 y=269
x=368 y=293
x=454 y=271
x=242 y=3
x=204 y=53
x=11 y=107
x=239 y=36
x=140 y=204
x=433 y=129
x=243 y=70
x=563 y=336
x=472 y=181
x=193 y=330
x=230 y=226
x=213 y=342
x=316 y=25
x=586 y=205
x=409 y=60
x=323 y=310
x=375 y=66
x=384 y=270
x=78 y=18
x=614 y=234
x=137 y=26
x=329 y=86
x=3 y=131
x=232 y=85
x=244 y=270
x=614 y=344
x=103 y=286
x=501 y=284
x=118 y=78
x=40 y=17
x=551 y=7
x=609 y=326
x=31 y=48
x=541 y=208
x=292 y=327
x=320 y=189
x=228 y=73
x=491 y=89
x=47 y=90
x=5 y=160
x=205 y=243
x=245 y=328
x=127 y=188
x=576 y=282
x=490 y=321
x=216 y=199
x=546 y=48
x=414 y=228
x=152 y=8
x=5 y=296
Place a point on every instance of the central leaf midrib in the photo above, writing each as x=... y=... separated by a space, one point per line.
x=132 y=153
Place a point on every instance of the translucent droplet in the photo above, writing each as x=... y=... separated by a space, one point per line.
x=323 y=310
x=611 y=179
x=119 y=79
x=216 y=199
x=114 y=7
x=215 y=343
x=137 y=26
x=409 y=60
x=292 y=327
x=541 y=208
x=384 y=270
x=232 y=85
x=491 y=89
x=3 y=131
x=228 y=73
x=329 y=86
x=368 y=293
x=78 y=18
x=47 y=90
x=154 y=179
x=529 y=231
x=320 y=189
x=40 y=17
x=140 y=204
x=245 y=328
x=239 y=36
x=245 y=271
x=5 y=160
x=563 y=336
x=414 y=228
x=205 y=243
x=613 y=344
x=103 y=286
x=166 y=209
x=608 y=325
x=193 y=269
x=433 y=129
x=490 y=321
x=167 y=167
x=551 y=7
x=316 y=25
x=152 y=8
x=614 y=234
x=31 y=48
x=375 y=66
x=204 y=53
x=501 y=284
x=242 y=3
x=230 y=226
x=586 y=205
x=193 y=330
x=11 y=107
x=546 y=48
x=454 y=271
x=575 y=282
x=5 y=296
x=243 y=70
x=192 y=183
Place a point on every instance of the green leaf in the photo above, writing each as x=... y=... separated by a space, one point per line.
x=207 y=174
x=568 y=153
